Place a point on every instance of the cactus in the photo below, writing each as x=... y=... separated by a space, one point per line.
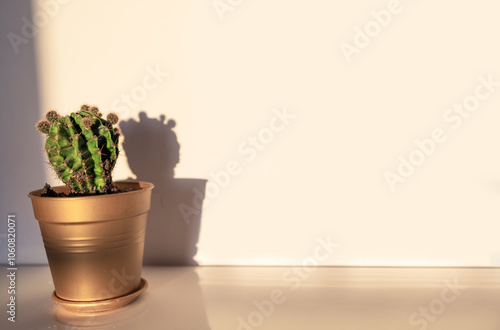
x=82 y=148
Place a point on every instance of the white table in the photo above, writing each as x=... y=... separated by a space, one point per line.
x=220 y=298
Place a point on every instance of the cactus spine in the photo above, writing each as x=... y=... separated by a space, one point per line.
x=82 y=148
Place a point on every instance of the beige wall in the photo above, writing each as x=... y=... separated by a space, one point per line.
x=313 y=108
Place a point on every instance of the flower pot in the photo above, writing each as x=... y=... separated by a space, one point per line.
x=95 y=245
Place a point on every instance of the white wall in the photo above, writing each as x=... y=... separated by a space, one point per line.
x=21 y=162
x=323 y=174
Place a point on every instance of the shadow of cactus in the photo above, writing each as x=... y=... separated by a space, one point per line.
x=152 y=150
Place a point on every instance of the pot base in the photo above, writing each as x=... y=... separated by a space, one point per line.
x=101 y=305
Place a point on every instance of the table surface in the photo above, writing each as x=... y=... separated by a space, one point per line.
x=334 y=298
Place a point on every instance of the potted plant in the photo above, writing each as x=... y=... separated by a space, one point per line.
x=93 y=229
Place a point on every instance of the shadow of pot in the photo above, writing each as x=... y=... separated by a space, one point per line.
x=95 y=245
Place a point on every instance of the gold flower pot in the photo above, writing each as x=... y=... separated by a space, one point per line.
x=95 y=245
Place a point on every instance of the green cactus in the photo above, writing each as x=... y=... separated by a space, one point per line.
x=82 y=148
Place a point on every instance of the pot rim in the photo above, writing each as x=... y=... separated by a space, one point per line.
x=139 y=185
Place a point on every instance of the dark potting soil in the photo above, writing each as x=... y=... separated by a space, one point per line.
x=49 y=192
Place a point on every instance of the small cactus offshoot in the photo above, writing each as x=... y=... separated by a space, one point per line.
x=82 y=148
